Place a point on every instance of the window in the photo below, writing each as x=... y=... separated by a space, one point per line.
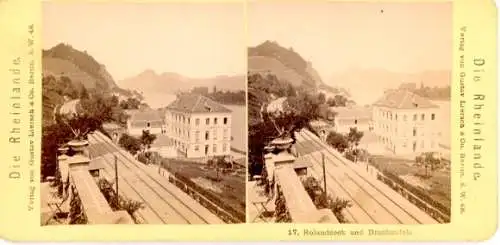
x=404 y=144
x=225 y=120
x=356 y=121
x=433 y=116
x=215 y=148
x=148 y=124
x=225 y=133
x=404 y=118
x=422 y=144
x=197 y=136
x=215 y=134
x=396 y=117
x=207 y=121
x=197 y=121
x=224 y=147
x=414 y=117
x=206 y=135
x=215 y=121
x=423 y=117
x=189 y=120
x=414 y=146
x=432 y=144
x=414 y=132
x=196 y=148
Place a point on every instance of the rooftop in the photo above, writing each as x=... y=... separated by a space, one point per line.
x=404 y=99
x=352 y=112
x=194 y=103
x=146 y=115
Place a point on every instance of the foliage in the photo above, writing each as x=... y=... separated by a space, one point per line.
x=130 y=143
x=353 y=137
x=391 y=178
x=429 y=161
x=357 y=155
x=229 y=97
x=433 y=93
x=83 y=61
x=337 y=141
x=117 y=202
x=182 y=182
x=338 y=100
x=76 y=213
x=147 y=139
x=320 y=200
x=130 y=103
x=149 y=157
x=301 y=107
x=281 y=211
x=288 y=57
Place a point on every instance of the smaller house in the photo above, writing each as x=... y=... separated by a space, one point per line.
x=145 y=120
x=164 y=146
x=352 y=117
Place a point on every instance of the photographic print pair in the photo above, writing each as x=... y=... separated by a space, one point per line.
x=259 y=112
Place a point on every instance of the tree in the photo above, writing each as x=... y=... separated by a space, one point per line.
x=353 y=137
x=147 y=139
x=337 y=141
x=129 y=143
x=428 y=160
x=321 y=98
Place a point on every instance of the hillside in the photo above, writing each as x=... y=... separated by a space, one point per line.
x=265 y=65
x=286 y=64
x=367 y=85
x=64 y=60
x=150 y=82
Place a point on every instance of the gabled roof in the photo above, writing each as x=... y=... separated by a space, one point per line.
x=404 y=99
x=146 y=115
x=194 y=103
x=350 y=112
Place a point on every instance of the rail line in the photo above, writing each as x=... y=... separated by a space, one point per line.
x=404 y=204
x=153 y=186
x=362 y=190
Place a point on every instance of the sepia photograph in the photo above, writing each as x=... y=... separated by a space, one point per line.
x=144 y=113
x=349 y=112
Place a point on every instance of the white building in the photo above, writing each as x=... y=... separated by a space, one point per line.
x=352 y=117
x=199 y=126
x=148 y=119
x=406 y=123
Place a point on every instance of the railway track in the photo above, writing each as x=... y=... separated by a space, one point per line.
x=372 y=202
x=164 y=202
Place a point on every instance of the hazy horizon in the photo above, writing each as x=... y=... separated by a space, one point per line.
x=341 y=37
x=199 y=40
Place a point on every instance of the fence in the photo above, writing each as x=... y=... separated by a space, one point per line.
x=437 y=210
x=207 y=199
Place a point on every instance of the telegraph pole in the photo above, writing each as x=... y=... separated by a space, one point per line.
x=324 y=172
x=116 y=177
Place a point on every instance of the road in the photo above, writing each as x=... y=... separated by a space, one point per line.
x=373 y=202
x=164 y=202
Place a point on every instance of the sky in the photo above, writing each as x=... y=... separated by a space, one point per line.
x=335 y=37
x=194 y=40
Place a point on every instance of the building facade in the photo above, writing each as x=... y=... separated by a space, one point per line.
x=148 y=120
x=349 y=117
x=406 y=123
x=199 y=126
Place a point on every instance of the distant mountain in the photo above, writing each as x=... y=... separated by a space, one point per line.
x=285 y=63
x=79 y=66
x=367 y=85
x=150 y=82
